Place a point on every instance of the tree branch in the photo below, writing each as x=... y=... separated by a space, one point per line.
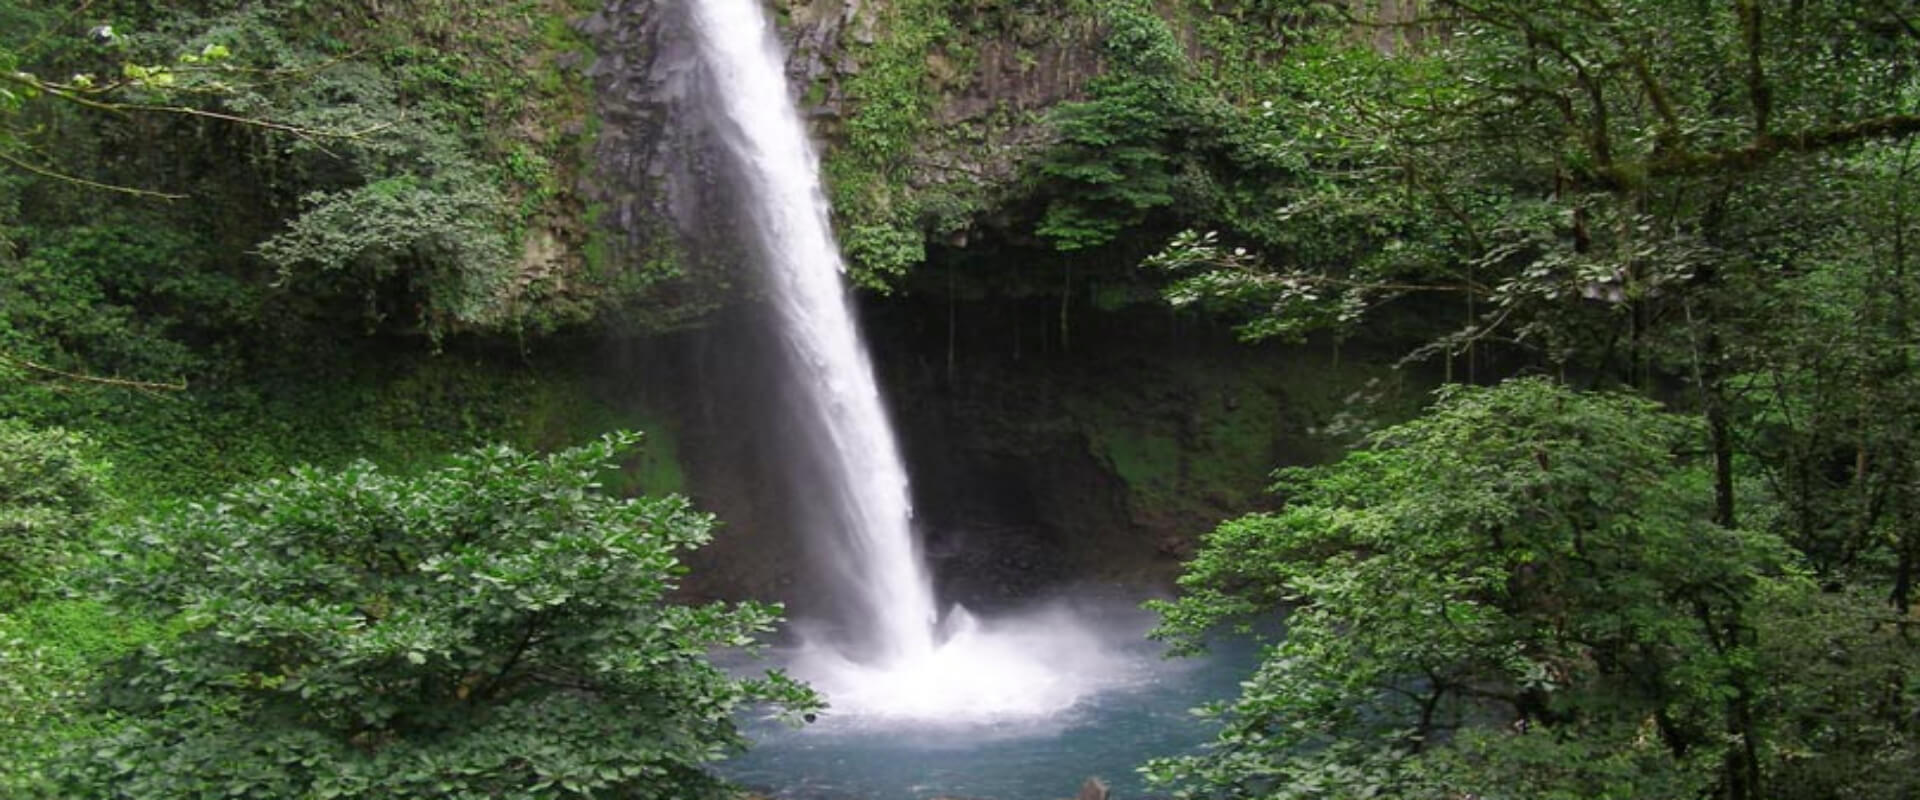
x=1754 y=154
x=147 y=386
x=80 y=98
x=109 y=187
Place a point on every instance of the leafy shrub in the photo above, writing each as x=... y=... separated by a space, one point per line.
x=49 y=494
x=494 y=628
x=113 y=298
x=446 y=237
x=49 y=491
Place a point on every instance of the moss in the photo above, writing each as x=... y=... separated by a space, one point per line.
x=563 y=409
x=1205 y=448
x=1112 y=296
x=890 y=101
x=658 y=471
x=1194 y=440
x=816 y=94
x=1151 y=462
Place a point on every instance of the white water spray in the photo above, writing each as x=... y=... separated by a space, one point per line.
x=915 y=664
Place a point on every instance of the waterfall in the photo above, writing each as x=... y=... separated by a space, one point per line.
x=892 y=655
x=859 y=491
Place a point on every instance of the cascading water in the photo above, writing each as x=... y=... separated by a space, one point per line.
x=903 y=659
x=861 y=490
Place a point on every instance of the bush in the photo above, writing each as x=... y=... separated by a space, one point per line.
x=495 y=628
x=48 y=494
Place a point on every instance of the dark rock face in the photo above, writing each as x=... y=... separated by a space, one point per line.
x=814 y=35
x=632 y=90
x=657 y=186
x=982 y=88
x=668 y=213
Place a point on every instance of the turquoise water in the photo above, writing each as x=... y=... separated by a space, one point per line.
x=1107 y=734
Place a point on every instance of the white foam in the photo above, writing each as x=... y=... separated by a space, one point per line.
x=1013 y=669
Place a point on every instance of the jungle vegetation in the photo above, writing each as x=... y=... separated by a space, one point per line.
x=1657 y=536
x=1551 y=586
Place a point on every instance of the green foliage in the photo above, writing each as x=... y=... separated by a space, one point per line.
x=50 y=651
x=1840 y=669
x=49 y=493
x=884 y=250
x=496 y=627
x=389 y=164
x=1149 y=139
x=1824 y=379
x=1520 y=594
x=890 y=100
x=114 y=298
x=444 y=234
x=376 y=178
x=1643 y=192
x=1113 y=157
x=1559 y=169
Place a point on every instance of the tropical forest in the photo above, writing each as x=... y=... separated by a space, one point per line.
x=960 y=399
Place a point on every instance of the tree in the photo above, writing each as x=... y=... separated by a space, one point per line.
x=1533 y=156
x=1823 y=393
x=495 y=628
x=1622 y=189
x=1521 y=594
